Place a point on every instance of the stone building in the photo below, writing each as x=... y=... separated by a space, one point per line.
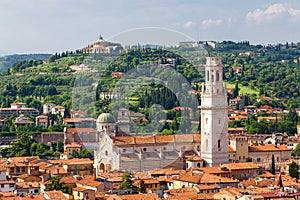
x=214 y=122
x=103 y=47
x=238 y=148
x=141 y=153
x=124 y=121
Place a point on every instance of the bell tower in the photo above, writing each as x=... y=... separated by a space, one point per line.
x=214 y=114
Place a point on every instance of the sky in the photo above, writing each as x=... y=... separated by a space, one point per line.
x=49 y=26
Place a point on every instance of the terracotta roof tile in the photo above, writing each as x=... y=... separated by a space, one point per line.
x=149 y=196
x=204 y=178
x=239 y=166
x=268 y=148
x=123 y=140
x=89 y=182
x=56 y=195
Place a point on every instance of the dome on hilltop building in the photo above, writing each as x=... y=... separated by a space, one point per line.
x=106 y=118
x=100 y=39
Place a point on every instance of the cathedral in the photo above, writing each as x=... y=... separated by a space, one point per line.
x=181 y=151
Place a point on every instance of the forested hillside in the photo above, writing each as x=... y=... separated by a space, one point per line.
x=8 y=61
x=264 y=70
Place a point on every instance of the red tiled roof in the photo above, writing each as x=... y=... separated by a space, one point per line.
x=269 y=148
x=123 y=140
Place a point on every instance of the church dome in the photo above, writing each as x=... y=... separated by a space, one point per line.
x=106 y=118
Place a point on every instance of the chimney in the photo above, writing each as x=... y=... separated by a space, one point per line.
x=94 y=173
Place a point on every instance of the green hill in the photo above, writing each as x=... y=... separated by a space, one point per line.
x=8 y=61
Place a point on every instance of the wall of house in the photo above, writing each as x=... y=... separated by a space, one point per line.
x=266 y=156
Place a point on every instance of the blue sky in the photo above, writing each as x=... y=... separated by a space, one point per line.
x=30 y=26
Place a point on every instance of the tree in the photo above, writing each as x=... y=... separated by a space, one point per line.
x=56 y=184
x=142 y=186
x=75 y=154
x=236 y=90
x=296 y=151
x=127 y=183
x=273 y=170
x=59 y=146
x=294 y=170
x=85 y=153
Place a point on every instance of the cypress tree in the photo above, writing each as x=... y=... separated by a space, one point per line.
x=273 y=170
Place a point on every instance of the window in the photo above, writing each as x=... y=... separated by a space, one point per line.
x=206 y=144
x=217 y=76
x=2 y=185
x=219 y=121
x=144 y=149
x=36 y=191
x=106 y=153
x=219 y=145
x=124 y=150
x=207 y=75
x=206 y=120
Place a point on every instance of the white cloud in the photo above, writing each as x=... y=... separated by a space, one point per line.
x=211 y=22
x=272 y=13
x=189 y=24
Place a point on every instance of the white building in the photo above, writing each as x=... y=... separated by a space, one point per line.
x=214 y=122
x=18 y=109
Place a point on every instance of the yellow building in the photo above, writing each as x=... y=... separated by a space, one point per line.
x=152 y=184
x=79 y=167
x=76 y=166
x=69 y=148
x=83 y=193
x=28 y=178
x=291 y=142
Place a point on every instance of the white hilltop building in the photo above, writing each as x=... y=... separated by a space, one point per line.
x=101 y=46
x=180 y=151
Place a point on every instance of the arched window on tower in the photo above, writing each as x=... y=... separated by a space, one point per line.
x=207 y=75
x=217 y=75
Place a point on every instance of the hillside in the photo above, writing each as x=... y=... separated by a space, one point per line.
x=8 y=61
x=153 y=77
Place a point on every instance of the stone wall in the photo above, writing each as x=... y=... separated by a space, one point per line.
x=48 y=137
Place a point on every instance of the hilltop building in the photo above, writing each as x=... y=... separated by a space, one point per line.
x=103 y=47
